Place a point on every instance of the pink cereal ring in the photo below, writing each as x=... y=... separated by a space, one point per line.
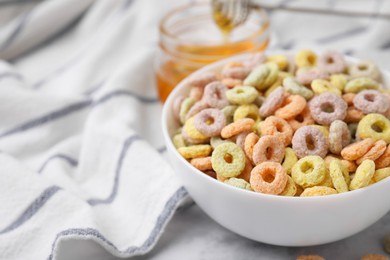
x=327 y=108
x=332 y=62
x=309 y=140
x=196 y=93
x=202 y=80
x=272 y=102
x=255 y=60
x=339 y=136
x=215 y=95
x=210 y=122
x=307 y=76
x=196 y=108
x=371 y=101
x=268 y=148
x=240 y=139
x=268 y=178
x=236 y=73
x=176 y=107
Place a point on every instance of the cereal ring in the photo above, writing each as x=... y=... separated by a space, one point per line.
x=274 y=86
x=371 y=101
x=240 y=139
x=356 y=150
x=332 y=62
x=353 y=115
x=280 y=60
x=302 y=119
x=327 y=182
x=196 y=93
x=268 y=178
x=299 y=190
x=185 y=106
x=289 y=160
x=339 y=81
x=327 y=108
x=363 y=175
x=228 y=160
x=220 y=177
x=320 y=86
x=324 y=129
x=195 y=151
x=292 y=86
x=246 y=173
x=178 y=141
x=310 y=257
x=211 y=173
x=305 y=58
x=374 y=153
x=238 y=183
x=176 y=107
x=210 y=122
x=374 y=257
x=228 y=111
x=359 y=84
x=242 y=95
x=246 y=111
x=236 y=73
x=190 y=140
x=202 y=164
x=339 y=136
x=291 y=107
x=272 y=102
x=365 y=69
x=290 y=189
x=309 y=140
x=349 y=165
x=233 y=64
x=215 y=95
x=306 y=76
x=277 y=127
x=216 y=140
x=375 y=126
x=257 y=77
x=318 y=191
x=272 y=76
x=196 y=108
x=381 y=174
x=309 y=171
x=259 y=101
x=237 y=127
x=337 y=172
x=231 y=83
x=255 y=60
x=202 y=80
x=193 y=132
x=384 y=160
x=250 y=141
x=268 y=148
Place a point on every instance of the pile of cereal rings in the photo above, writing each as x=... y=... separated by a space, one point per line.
x=308 y=125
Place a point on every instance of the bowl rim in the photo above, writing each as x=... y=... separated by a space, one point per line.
x=243 y=192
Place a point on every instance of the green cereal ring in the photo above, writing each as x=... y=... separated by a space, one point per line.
x=185 y=107
x=246 y=111
x=338 y=172
x=290 y=189
x=228 y=111
x=178 y=141
x=195 y=151
x=309 y=171
x=292 y=86
x=228 y=160
x=339 y=81
x=257 y=77
x=289 y=160
x=216 y=140
x=320 y=86
x=374 y=126
x=363 y=175
x=239 y=183
x=381 y=174
x=272 y=76
x=242 y=95
x=191 y=130
x=359 y=84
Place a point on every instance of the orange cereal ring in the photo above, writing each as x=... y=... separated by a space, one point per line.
x=233 y=64
x=293 y=105
x=356 y=150
x=318 y=191
x=384 y=160
x=374 y=153
x=202 y=164
x=302 y=119
x=237 y=127
x=348 y=98
x=268 y=148
x=374 y=257
x=277 y=127
x=196 y=93
x=353 y=115
x=231 y=83
x=268 y=178
x=250 y=142
x=220 y=177
x=246 y=173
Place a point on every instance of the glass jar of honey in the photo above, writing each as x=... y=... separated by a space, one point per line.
x=190 y=39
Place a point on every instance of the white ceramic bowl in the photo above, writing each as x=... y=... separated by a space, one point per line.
x=277 y=220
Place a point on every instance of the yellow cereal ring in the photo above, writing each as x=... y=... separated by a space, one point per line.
x=337 y=173
x=228 y=160
x=178 y=141
x=216 y=140
x=359 y=84
x=290 y=160
x=363 y=175
x=327 y=182
x=381 y=174
x=280 y=60
x=239 y=183
x=290 y=189
x=242 y=95
x=305 y=58
x=185 y=107
x=339 y=81
x=299 y=190
x=191 y=130
x=195 y=151
x=320 y=86
x=374 y=126
x=246 y=111
x=309 y=171
x=318 y=191
x=324 y=130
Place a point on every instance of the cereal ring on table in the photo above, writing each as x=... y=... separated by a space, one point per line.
x=236 y=73
x=290 y=189
x=246 y=111
x=231 y=83
x=309 y=171
x=238 y=183
x=305 y=58
x=363 y=175
x=356 y=150
x=268 y=148
x=375 y=126
x=178 y=141
x=318 y=191
x=337 y=173
x=192 y=131
x=228 y=160
x=196 y=108
x=195 y=151
x=309 y=140
x=374 y=153
x=384 y=160
x=280 y=60
x=216 y=140
x=237 y=127
x=310 y=257
x=255 y=60
x=339 y=136
x=374 y=257
x=327 y=108
x=359 y=84
x=339 y=81
x=215 y=95
x=257 y=77
x=228 y=111
x=302 y=119
x=202 y=80
x=306 y=76
x=277 y=127
x=381 y=174
x=268 y=178
x=320 y=86
x=210 y=122
x=250 y=141
x=290 y=160
x=291 y=107
x=202 y=164
x=371 y=101
x=272 y=102
x=292 y=86
x=185 y=107
x=242 y=95
x=365 y=69
x=332 y=62
x=240 y=139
